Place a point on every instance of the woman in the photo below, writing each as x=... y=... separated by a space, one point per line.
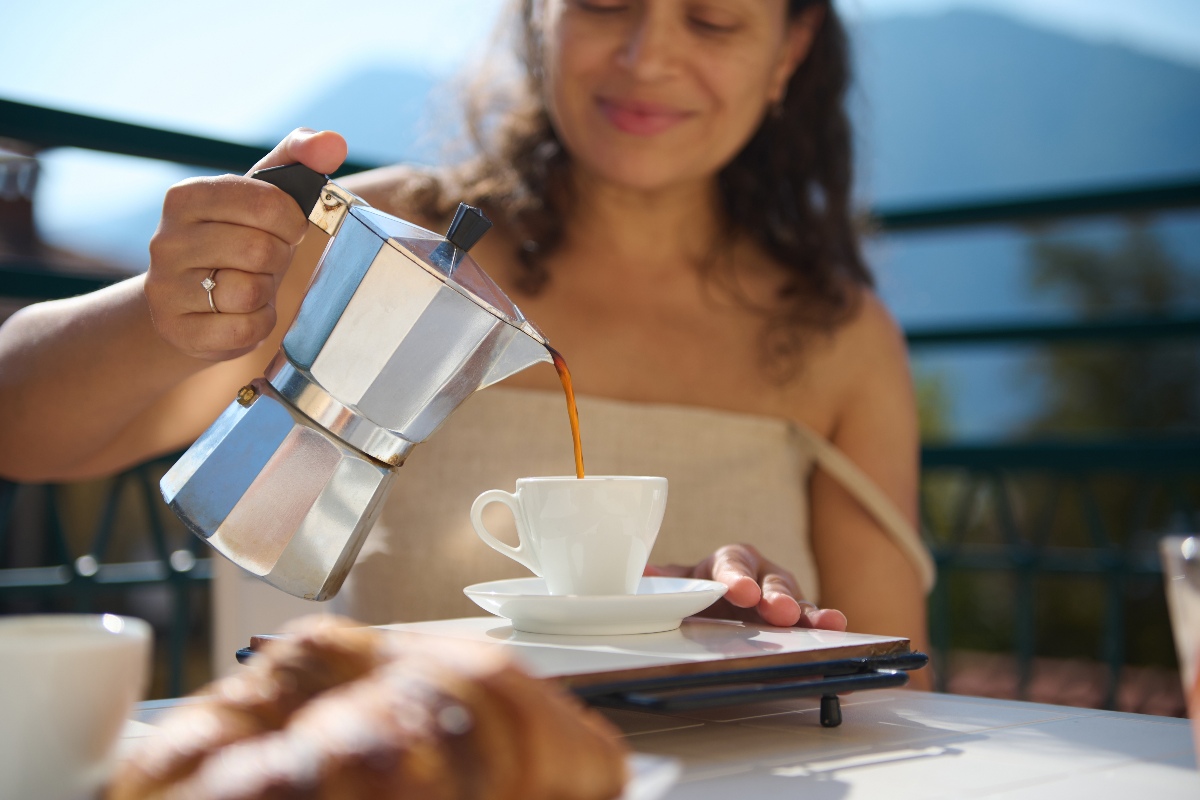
x=671 y=208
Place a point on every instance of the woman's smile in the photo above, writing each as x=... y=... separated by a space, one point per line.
x=639 y=118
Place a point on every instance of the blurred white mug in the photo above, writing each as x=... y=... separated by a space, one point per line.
x=67 y=684
x=589 y=536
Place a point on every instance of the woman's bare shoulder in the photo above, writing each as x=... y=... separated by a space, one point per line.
x=871 y=334
x=863 y=356
x=873 y=355
x=865 y=353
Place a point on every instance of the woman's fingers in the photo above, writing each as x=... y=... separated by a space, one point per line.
x=229 y=239
x=828 y=619
x=242 y=289
x=780 y=602
x=322 y=151
x=235 y=200
x=758 y=590
x=234 y=292
x=216 y=337
x=734 y=565
x=241 y=235
x=737 y=566
x=752 y=581
x=250 y=263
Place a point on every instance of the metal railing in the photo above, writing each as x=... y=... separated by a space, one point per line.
x=106 y=566
x=1021 y=545
x=1000 y=517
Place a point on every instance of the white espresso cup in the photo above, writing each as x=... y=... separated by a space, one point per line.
x=588 y=535
x=67 y=684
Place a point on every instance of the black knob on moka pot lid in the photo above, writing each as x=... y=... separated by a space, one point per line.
x=468 y=227
x=302 y=184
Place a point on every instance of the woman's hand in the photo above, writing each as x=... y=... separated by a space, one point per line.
x=759 y=590
x=246 y=230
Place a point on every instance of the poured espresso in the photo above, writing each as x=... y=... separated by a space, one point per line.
x=564 y=375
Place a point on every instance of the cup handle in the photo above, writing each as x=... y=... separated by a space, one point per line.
x=521 y=553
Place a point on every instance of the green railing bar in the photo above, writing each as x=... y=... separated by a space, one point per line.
x=1177 y=454
x=1125 y=330
x=111 y=574
x=47 y=127
x=1034 y=208
x=38 y=280
x=36 y=577
x=1056 y=560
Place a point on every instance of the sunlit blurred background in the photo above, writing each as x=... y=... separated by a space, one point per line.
x=1033 y=170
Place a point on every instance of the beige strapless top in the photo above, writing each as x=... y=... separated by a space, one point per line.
x=732 y=478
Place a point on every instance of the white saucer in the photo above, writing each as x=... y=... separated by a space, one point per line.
x=659 y=605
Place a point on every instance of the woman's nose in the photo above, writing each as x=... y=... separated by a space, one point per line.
x=650 y=48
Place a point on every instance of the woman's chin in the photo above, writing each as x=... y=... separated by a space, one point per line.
x=648 y=176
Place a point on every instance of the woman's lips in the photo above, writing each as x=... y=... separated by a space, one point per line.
x=640 y=119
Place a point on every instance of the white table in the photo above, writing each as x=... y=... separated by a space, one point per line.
x=897 y=744
x=893 y=744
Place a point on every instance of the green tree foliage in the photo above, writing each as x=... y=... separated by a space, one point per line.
x=1129 y=387
x=1135 y=389
x=1116 y=390
x=934 y=405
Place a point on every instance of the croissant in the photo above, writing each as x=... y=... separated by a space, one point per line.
x=333 y=711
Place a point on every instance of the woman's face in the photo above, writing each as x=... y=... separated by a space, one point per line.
x=653 y=93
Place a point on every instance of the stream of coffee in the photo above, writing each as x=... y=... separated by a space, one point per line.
x=564 y=375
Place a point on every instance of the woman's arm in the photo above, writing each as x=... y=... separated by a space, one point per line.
x=864 y=573
x=92 y=384
x=74 y=376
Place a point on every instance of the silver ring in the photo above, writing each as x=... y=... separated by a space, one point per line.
x=209 y=284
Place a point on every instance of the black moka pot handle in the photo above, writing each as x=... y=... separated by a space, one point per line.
x=304 y=185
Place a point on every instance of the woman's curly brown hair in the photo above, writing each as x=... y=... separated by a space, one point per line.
x=788 y=189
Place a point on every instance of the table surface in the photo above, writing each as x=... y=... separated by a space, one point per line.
x=896 y=744
x=892 y=744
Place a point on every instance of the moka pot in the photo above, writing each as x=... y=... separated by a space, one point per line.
x=397 y=328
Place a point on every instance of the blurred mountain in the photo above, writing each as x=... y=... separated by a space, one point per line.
x=386 y=115
x=968 y=104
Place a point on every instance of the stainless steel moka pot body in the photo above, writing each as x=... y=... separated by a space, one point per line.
x=398 y=326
